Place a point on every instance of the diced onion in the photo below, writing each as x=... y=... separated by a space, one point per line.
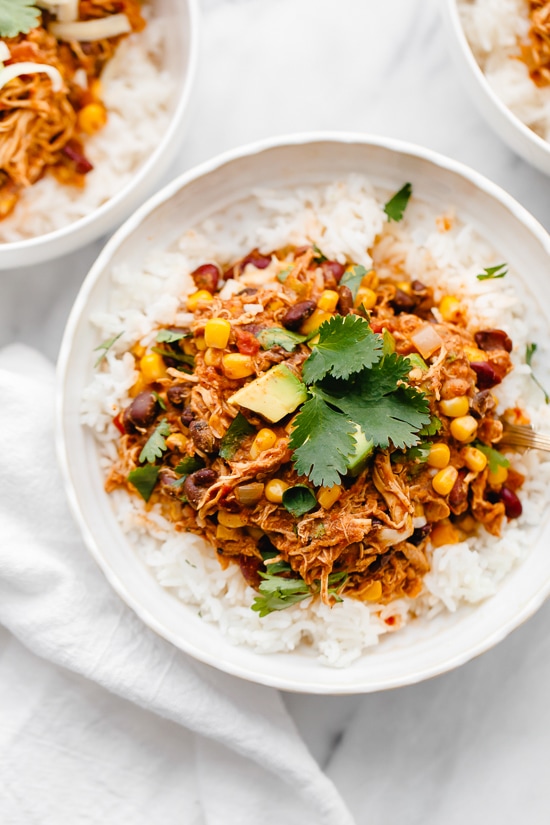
x=16 y=69
x=66 y=10
x=88 y=30
x=5 y=53
x=426 y=340
x=253 y=309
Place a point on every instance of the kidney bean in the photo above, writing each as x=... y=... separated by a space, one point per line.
x=248 y=290
x=458 y=497
x=487 y=376
x=177 y=394
x=402 y=302
x=141 y=412
x=195 y=484
x=512 y=504
x=256 y=259
x=483 y=402
x=206 y=277
x=345 y=301
x=296 y=315
x=418 y=286
x=82 y=164
x=489 y=339
x=333 y=269
x=202 y=436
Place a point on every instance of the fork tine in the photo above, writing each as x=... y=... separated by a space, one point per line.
x=519 y=436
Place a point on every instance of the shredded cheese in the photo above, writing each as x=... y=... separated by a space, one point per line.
x=88 y=30
x=16 y=69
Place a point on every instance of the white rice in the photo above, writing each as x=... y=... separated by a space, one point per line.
x=137 y=93
x=494 y=29
x=343 y=219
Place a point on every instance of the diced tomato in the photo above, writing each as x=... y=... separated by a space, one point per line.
x=247 y=344
x=117 y=421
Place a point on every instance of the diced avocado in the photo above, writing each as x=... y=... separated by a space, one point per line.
x=274 y=394
x=362 y=452
x=417 y=361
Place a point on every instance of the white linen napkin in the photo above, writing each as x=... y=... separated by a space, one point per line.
x=251 y=764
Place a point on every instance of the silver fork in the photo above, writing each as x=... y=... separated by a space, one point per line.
x=517 y=435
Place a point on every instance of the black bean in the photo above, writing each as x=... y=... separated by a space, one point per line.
x=178 y=393
x=202 y=436
x=483 y=402
x=403 y=302
x=296 y=315
x=195 y=484
x=187 y=416
x=345 y=301
x=141 y=412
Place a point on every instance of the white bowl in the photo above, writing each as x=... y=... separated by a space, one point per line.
x=180 y=23
x=519 y=137
x=420 y=650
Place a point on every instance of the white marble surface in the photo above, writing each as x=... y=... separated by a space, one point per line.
x=473 y=744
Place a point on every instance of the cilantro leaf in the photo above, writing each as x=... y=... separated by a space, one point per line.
x=284 y=273
x=346 y=345
x=492 y=272
x=159 y=400
x=169 y=336
x=144 y=479
x=105 y=345
x=397 y=204
x=322 y=442
x=495 y=459
x=529 y=352
x=278 y=592
x=432 y=428
x=352 y=279
x=299 y=500
x=418 y=454
x=155 y=444
x=392 y=417
x=236 y=432
x=176 y=356
x=18 y=17
x=189 y=464
x=318 y=256
x=279 y=337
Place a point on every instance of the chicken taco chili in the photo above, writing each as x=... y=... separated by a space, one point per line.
x=327 y=427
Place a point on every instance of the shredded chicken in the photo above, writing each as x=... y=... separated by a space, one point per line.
x=535 y=53
x=379 y=531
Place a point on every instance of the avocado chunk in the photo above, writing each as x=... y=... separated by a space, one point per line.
x=274 y=394
x=361 y=453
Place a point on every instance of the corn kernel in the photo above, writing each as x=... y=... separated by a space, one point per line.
x=419 y=511
x=92 y=118
x=233 y=520
x=212 y=357
x=451 y=309
x=265 y=439
x=255 y=532
x=138 y=350
x=474 y=459
x=200 y=343
x=463 y=428
x=365 y=296
x=274 y=490
x=314 y=321
x=328 y=300
x=96 y=89
x=327 y=496
x=275 y=304
x=372 y=592
x=474 y=354
x=439 y=456
x=176 y=441
x=498 y=477
x=202 y=296
x=455 y=407
x=138 y=387
x=217 y=332
x=404 y=286
x=228 y=533
x=444 y=533
x=152 y=367
x=370 y=279
x=235 y=365
x=443 y=481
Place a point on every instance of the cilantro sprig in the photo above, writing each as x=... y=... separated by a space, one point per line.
x=395 y=207
x=18 y=17
x=234 y=436
x=529 y=352
x=490 y=273
x=495 y=459
x=279 y=592
x=155 y=444
x=353 y=384
x=105 y=346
